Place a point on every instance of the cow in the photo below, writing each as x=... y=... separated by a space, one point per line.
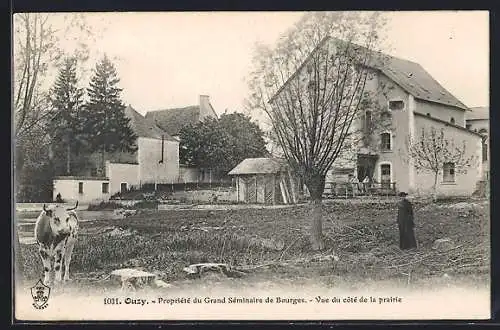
x=56 y=232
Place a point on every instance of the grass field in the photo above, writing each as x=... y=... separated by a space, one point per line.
x=274 y=242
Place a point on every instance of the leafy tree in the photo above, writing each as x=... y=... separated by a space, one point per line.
x=432 y=149
x=220 y=144
x=36 y=50
x=67 y=100
x=104 y=124
x=311 y=86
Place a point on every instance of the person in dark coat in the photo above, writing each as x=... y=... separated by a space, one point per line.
x=406 y=223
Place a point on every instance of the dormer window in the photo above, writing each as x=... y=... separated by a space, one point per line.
x=396 y=105
x=452 y=120
x=428 y=114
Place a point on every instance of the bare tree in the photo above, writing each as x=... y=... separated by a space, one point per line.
x=431 y=151
x=36 y=47
x=312 y=88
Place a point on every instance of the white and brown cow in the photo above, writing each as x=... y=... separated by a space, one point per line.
x=56 y=231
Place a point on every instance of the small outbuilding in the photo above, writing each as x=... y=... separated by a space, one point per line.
x=265 y=181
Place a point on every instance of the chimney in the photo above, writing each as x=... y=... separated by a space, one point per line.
x=205 y=107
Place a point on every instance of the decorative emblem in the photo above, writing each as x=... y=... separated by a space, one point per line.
x=40 y=293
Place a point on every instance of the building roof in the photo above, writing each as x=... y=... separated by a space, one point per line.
x=478 y=113
x=173 y=120
x=415 y=80
x=410 y=76
x=259 y=166
x=447 y=123
x=144 y=127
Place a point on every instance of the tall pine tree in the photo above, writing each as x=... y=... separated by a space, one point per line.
x=66 y=100
x=105 y=125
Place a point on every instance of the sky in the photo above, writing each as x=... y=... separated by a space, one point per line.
x=168 y=59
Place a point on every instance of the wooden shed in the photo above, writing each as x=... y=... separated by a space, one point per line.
x=265 y=181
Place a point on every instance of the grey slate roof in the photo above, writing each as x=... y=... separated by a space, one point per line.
x=144 y=127
x=411 y=76
x=415 y=80
x=173 y=120
x=259 y=166
x=476 y=113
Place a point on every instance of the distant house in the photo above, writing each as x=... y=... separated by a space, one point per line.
x=264 y=181
x=478 y=120
x=414 y=100
x=173 y=120
x=156 y=161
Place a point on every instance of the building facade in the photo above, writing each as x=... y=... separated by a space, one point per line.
x=407 y=100
x=156 y=161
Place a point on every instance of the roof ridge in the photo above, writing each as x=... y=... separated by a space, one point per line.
x=175 y=108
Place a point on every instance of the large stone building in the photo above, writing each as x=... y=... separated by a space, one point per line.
x=411 y=100
x=173 y=120
x=156 y=161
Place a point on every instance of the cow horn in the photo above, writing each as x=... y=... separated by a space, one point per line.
x=44 y=208
x=73 y=208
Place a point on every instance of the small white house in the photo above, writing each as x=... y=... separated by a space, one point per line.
x=81 y=188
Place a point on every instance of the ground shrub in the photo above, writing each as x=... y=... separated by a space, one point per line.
x=104 y=206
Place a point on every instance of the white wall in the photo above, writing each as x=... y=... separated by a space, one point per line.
x=92 y=189
x=149 y=155
x=441 y=111
x=465 y=183
x=122 y=173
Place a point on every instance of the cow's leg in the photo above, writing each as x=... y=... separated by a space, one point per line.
x=47 y=263
x=59 y=252
x=70 y=244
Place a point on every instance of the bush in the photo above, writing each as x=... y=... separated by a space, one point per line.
x=104 y=206
x=146 y=204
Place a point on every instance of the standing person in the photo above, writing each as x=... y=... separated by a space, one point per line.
x=406 y=223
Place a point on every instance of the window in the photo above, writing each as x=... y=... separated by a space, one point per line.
x=93 y=171
x=368 y=121
x=105 y=187
x=123 y=187
x=80 y=187
x=385 y=175
x=428 y=114
x=449 y=172
x=396 y=105
x=452 y=120
x=385 y=141
x=485 y=151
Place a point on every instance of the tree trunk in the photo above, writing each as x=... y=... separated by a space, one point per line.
x=316 y=186
x=434 y=188
x=68 y=159
x=103 y=168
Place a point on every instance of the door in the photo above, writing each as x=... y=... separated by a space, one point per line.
x=269 y=189
x=385 y=176
x=123 y=187
x=251 y=189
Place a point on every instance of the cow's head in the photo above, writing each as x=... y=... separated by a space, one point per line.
x=60 y=217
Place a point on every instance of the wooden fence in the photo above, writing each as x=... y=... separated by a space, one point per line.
x=346 y=189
